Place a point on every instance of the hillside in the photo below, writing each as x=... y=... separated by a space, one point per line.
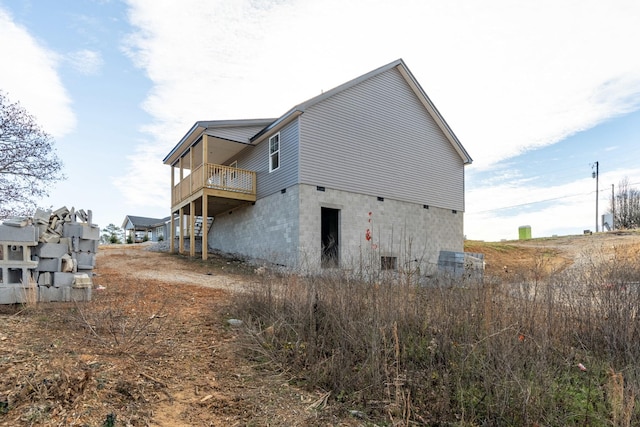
x=513 y=256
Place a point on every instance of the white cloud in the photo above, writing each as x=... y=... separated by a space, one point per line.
x=85 y=61
x=507 y=76
x=29 y=76
x=497 y=211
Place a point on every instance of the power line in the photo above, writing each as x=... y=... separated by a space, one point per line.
x=542 y=201
x=530 y=203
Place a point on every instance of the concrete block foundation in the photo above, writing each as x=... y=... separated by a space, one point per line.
x=373 y=233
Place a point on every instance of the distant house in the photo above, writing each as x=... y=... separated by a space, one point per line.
x=368 y=172
x=139 y=228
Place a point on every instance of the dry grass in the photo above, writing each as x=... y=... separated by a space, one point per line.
x=549 y=348
x=151 y=349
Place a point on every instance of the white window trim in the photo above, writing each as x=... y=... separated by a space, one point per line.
x=277 y=152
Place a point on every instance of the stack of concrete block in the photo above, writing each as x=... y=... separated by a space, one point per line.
x=17 y=237
x=52 y=253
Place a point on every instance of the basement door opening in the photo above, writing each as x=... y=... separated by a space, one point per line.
x=330 y=238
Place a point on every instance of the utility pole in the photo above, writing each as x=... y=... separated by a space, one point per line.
x=595 y=175
x=613 y=208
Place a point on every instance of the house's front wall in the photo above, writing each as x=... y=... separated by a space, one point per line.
x=377 y=138
x=266 y=230
x=412 y=233
x=158 y=233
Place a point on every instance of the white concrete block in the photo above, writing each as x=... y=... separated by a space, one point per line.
x=63 y=279
x=18 y=234
x=49 y=265
x=51 y=250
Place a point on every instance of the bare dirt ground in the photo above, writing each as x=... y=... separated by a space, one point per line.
x=503 y=259
x=153 y=348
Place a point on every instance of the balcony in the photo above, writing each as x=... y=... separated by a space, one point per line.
x=225 y=186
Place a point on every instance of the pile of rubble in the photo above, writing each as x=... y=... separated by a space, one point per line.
x=48 y=257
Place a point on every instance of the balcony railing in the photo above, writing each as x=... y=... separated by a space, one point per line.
x=226 y=182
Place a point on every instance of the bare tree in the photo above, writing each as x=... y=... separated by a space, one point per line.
x=626 y=206
x=28 y=161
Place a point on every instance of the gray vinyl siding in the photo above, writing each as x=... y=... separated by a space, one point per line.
x=377 y=138
x=241 y=134
x=257 y=159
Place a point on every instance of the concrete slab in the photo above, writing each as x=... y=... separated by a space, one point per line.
x=68 y=264
x=83 y=231
x=42 y=216
x=51 y=250
x=63 y=279
x=44 y=279
x=82 y=280
x=9 y=295
x=19 y=234
x=91 y=232
x=82 y=215
x=78 y=294
x=88 y=246
x=61 y=212
x=86 y=261
x=49 y=264
x=17 y=222
x=50 y=237
x=18 y=294
x=66 y=241
x=51 y=294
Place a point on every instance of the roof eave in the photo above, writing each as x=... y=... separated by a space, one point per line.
x=189 y=136
x=202 y=126
x=276 y=125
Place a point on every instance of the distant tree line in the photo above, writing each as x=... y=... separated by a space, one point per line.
x=625 y=206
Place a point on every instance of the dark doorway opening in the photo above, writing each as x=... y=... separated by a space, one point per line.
x=330 y=238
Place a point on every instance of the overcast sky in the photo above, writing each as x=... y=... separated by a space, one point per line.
x=536 y=91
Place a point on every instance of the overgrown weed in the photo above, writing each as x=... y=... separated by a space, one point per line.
x=547 y=348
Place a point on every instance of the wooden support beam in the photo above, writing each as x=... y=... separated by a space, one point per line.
x=172 y=231
x=192 y=228
x=205 y=226
x=181 y=225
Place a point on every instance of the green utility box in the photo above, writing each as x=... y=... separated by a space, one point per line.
x=524 y=232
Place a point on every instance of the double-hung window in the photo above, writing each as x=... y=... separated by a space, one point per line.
x=274 y=152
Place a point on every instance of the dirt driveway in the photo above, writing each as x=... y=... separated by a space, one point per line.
x=153 y=348
x=559 y=253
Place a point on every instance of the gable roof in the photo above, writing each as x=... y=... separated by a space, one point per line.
x=212 y=128
x=144 y=222
x=271 y=126
x=406 y=74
